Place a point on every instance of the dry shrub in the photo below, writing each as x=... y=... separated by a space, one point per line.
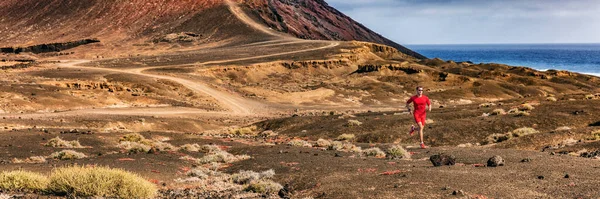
x=300 y=143
x=398 y=152
x=525 y=107
x=221 y=156
x=267 y=133
x=134 y=147
x=136 y=143
x=563 y=128
x=497 y=137
x=346 y=137
x=498 y=112
x=595 y=135
x=163 y=146
x=322 y=143
x=523 y=131
x=264 y=187
x=513 y=111
x=250 y=130
x=373 y=152
x=245 y=177
x=343 y=146
x=353 y=123
x=99 y=182
x=552 y=99
x=22 y=181
x=522 y=114
x=30 y=160
x=589 y=96
x=60 y=143
x=486 y=105
x=209 y=148
x=132 y=137
x=67 y=155
x=190 y=147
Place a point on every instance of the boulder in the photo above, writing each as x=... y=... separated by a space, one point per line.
x=495 y=161
x=442 y=159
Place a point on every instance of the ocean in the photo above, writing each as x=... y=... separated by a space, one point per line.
x=582 y=58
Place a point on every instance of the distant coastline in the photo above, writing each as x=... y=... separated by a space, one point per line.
x=576 y=57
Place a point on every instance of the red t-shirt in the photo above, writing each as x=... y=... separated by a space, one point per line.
x=419 y=103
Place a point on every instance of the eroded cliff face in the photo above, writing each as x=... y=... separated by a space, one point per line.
x=315 y=19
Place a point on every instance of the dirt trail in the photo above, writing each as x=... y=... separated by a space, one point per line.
x=236 y=104
x=241 y=15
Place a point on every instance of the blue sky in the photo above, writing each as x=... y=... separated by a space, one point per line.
x=478 y=21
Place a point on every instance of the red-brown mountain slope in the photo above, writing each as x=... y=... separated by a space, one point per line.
x=116 y=23
x=315 y=19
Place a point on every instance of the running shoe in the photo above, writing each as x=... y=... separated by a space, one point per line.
x=423 y=146
x=412 y=130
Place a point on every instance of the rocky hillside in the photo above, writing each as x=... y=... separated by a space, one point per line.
x=315 y=19
x=116 y=23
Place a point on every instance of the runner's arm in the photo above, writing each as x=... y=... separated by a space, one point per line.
x=429 y=104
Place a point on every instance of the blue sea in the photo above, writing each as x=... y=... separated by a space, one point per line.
x=582 y=58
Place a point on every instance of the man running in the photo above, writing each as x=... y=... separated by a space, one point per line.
x=421 y=102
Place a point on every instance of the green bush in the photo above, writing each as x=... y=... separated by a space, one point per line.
x=398 y=152
x=99 y=182
x=22 y=181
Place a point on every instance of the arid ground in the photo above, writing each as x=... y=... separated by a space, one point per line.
x=309 y=110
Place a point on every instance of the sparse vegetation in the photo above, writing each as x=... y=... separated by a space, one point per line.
x=136 y=143
x=343 y=146
x=353 y=123
x=525 y=107
x=497 y=137
x=346 y=137
x=498 y=112
x=57 y=142
x=220 y=156
x=132 y=137
x=134 y=147
x=245 y=177
x=67 y=155
x=30 y=160
x=595 y=135
x=322 y=143
x=513 y=111
x=521 y=113
x=589 y=96
x=190 y=147
x=486 y=105
x=243 y=131
x=373 y=152
x=22 y=181
x=264 y=187
x=563 y=128
x=299 y=142
x=100 y=182
x=397 y=152
x=524 y=131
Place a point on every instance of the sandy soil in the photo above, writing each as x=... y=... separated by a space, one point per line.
x=285 y=89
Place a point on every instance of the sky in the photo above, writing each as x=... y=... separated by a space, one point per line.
x=478 y=21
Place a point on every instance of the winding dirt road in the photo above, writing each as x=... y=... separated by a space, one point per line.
x=235 y=104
